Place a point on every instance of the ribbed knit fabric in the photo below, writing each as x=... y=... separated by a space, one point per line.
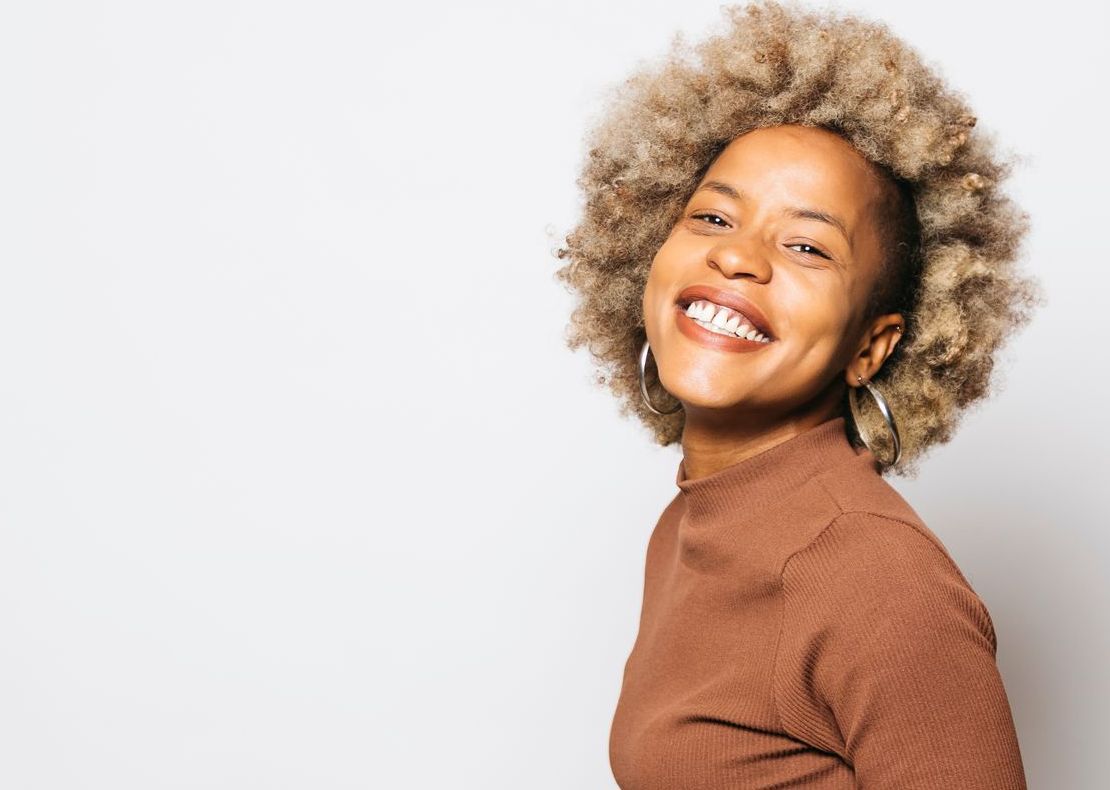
x=802 y=627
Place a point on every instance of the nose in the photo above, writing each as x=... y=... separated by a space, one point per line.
x=736 y=257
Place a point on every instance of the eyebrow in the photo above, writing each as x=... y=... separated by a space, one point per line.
x=798 y=212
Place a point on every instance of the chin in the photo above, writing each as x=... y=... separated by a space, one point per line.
x=711 y=397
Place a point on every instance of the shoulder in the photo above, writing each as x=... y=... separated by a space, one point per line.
x=857 y=486
x=872 y=517
x=886 y=656
x=878 y=571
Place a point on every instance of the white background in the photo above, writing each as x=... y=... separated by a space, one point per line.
x=301 y=488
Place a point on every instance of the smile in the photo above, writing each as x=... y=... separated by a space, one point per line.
x=725 y=329
x=724 y=320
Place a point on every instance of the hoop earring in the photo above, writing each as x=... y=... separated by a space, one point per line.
x=643 y=385
x=884 y=409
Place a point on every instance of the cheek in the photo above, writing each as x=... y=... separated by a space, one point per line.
x=649 y=304
x=661 y=277
x=818 y=322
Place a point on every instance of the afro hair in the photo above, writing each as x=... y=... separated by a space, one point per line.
x=777 y=63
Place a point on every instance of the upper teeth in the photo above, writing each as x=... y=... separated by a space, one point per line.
x=724 y=320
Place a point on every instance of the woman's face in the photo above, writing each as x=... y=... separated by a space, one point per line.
x=783 y=227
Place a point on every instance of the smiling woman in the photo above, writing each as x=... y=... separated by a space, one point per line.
x=949 y=235
x=787 y=224
x=800 y=228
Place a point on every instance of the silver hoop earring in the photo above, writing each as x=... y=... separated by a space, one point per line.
x=643 y=386
x=884 y=409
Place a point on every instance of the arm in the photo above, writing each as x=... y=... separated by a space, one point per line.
x=887 y=657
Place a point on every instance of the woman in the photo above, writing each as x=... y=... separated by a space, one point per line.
x=795 y=260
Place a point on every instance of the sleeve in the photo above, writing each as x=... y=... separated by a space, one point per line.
x=886 y=656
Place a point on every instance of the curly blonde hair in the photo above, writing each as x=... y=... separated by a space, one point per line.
x=953 y=237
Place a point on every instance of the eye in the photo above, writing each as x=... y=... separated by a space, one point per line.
x=710 y=217
x=810 y=247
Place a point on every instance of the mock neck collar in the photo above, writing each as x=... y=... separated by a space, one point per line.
x=768 y=475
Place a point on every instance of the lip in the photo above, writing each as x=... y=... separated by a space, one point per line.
x=710 y=339
x=727 y=299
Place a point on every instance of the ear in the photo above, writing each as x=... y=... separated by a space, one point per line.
x=877 y=343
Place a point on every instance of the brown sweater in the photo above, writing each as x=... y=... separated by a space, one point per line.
x=801 y=627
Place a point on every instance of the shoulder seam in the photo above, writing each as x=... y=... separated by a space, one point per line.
x=886 y=517
x=782 y=605
x=830 y=494
x=782 y=599
x=782 y=585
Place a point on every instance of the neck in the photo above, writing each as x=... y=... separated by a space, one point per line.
x=712 y=441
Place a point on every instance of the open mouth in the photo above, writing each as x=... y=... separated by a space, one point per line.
x=725 y=312
x=722 y=320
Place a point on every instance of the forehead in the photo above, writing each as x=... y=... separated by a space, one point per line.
x=791 y=163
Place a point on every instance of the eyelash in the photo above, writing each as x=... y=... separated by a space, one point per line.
x=816 y=249
x=813 y=247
